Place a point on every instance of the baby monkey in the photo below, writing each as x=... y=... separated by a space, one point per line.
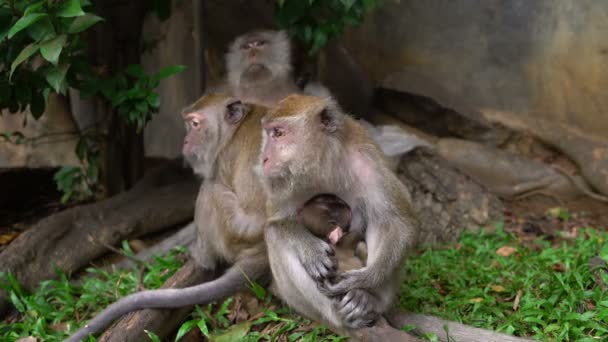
x=329 y=217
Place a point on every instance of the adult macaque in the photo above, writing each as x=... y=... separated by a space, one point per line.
x=223 y=144
x=329 y=217
x=229 y=213
x=310 y=146
x=260 y=70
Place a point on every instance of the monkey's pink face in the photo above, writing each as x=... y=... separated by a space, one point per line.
x=279 y=148
x=196 y=128
x=253 y=50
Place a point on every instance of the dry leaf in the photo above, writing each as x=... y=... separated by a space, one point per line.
x=517 y=299
x=477 y=300
x=559 y=267
x=497 y=288
x=27 y=339
x=5 y=239
x=589 y=305
x=506 y=251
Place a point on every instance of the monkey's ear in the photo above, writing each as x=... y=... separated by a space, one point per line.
x=330 y=119
x=235 y=112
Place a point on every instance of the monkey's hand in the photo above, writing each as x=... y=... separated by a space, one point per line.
x=318 y=258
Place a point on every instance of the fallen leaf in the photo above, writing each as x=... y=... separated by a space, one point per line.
x=506 y=251
x=517 y=299
x=476 y=300
x=497 y=288
x=559 y=267
x=589 y=305
x=27 y=339
x=5 y=239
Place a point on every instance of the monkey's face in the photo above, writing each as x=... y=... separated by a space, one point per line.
x=299 y=146
x=210 y=123
x=258 y=57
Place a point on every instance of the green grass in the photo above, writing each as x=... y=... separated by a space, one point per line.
x=468 y=282
x=560 y=301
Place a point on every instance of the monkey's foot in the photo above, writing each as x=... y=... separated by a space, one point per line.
x=357 y=309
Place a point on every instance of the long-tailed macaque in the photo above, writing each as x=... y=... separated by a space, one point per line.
x=329 y=217
x=229 y=212
x=260 y=70
x=309 y=147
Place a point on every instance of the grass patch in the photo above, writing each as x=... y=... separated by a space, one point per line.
x=560 y=297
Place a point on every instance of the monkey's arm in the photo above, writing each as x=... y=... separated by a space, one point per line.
x=253 y=263
x=316 y=256
x=242 y=225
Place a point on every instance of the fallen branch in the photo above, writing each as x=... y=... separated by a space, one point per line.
x=69 y=240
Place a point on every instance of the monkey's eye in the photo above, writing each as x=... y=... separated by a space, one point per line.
x=276 y=132
x=260 y=43
x=194 y=123
x=245 y=46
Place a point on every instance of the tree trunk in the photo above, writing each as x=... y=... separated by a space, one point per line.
x=116 y=44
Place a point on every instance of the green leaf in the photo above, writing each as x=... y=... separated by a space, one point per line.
x=202 y=325
x=70 y=8
x=135 y=70
x=51 y=49
x=153 y=100
x=169 y=71
x=26 y=53
x=234 y=333
x=184 y=329
x=83 y=22
x=25 y=22
x=34 y=7
x=348 y=3
x=56 y=78
x=152 y=336
x=42 y=30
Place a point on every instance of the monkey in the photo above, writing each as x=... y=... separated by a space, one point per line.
x=329 y=217
x=260 y=69
x=310 y=146
x=228 y=212
x=236 y=213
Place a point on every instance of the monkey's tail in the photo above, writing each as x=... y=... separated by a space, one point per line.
x=230 y=282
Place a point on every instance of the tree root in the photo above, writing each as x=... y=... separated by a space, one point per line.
x=69 y=240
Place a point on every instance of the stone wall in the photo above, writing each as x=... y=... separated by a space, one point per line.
x=542 y=58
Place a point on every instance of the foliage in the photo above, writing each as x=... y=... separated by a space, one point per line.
x=42 y=52
x=315 y=22
x=560 y=298
x=54 y=308
x=470 y=282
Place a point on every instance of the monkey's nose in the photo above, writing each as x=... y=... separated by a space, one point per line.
x=265 y=160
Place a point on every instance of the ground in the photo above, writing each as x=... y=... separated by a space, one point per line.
x=531 y=275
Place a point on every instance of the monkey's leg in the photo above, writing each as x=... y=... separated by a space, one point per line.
x=254 y=266
x=292 y=281
x=369 y=291
x=315 y=255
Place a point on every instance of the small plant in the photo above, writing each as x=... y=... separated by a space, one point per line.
x=315 y=22
x=41 y=51
x=548 y=293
